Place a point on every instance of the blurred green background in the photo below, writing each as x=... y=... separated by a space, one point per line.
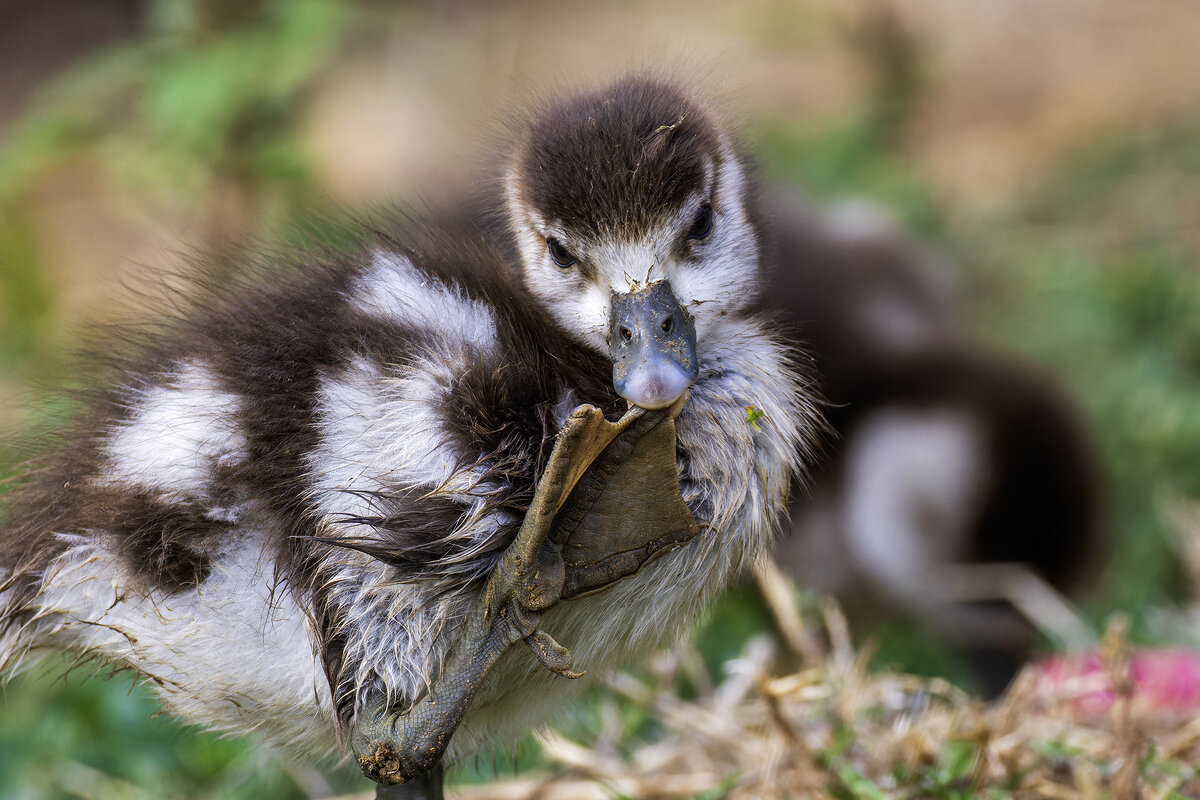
x=1050 y=151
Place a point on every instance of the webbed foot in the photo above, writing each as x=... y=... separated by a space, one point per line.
x=607 y=503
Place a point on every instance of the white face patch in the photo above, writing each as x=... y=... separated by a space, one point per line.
x=178 y=434
x=581 y=307
x=393 y=288
x=726 y=276
x=721 y=276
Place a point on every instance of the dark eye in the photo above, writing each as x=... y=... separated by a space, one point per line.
x=702 y=224
x=561 y=255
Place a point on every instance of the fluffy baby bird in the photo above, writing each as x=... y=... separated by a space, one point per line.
x=283 y=508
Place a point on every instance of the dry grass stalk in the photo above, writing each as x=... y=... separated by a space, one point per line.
x=835 y=730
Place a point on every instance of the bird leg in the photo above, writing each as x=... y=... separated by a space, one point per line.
x=426 y=786
x=607 y=503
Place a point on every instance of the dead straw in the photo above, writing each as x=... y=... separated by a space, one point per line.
x=832 y=729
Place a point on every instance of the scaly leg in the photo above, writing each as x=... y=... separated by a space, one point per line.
x=424 y=787
x=393 y=747
x=618 y=468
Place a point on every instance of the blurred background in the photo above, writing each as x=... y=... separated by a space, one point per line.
x=1043 y=156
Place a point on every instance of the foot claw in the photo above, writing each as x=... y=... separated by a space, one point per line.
x=553 y=655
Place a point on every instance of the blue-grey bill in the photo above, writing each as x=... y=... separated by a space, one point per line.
x=653 y=346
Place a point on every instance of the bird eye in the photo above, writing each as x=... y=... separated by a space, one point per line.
x=702 y=224
x=560 y=255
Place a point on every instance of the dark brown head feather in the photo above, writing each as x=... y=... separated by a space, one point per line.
x=614 y=160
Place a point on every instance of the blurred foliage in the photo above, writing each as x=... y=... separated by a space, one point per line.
x=855 y=156
x=202 y=96
x=66 y=737
x=208 y=99
x=25 y=300
x=1098 y=278
x=1095 y=276
x=211 y=96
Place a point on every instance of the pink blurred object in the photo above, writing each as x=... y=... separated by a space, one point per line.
x=1164 y=683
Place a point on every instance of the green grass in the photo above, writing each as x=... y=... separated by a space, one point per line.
x=1117 y=319
x=59 y=734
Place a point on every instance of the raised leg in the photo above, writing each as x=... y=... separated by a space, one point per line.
x=392 y=746
x=618 y=468
x=423 y=787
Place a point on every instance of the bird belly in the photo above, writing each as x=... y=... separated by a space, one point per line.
x=234 y=653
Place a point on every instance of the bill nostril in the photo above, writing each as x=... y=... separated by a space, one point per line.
x=653 y=349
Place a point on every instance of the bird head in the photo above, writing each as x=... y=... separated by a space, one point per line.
x=629 y=209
